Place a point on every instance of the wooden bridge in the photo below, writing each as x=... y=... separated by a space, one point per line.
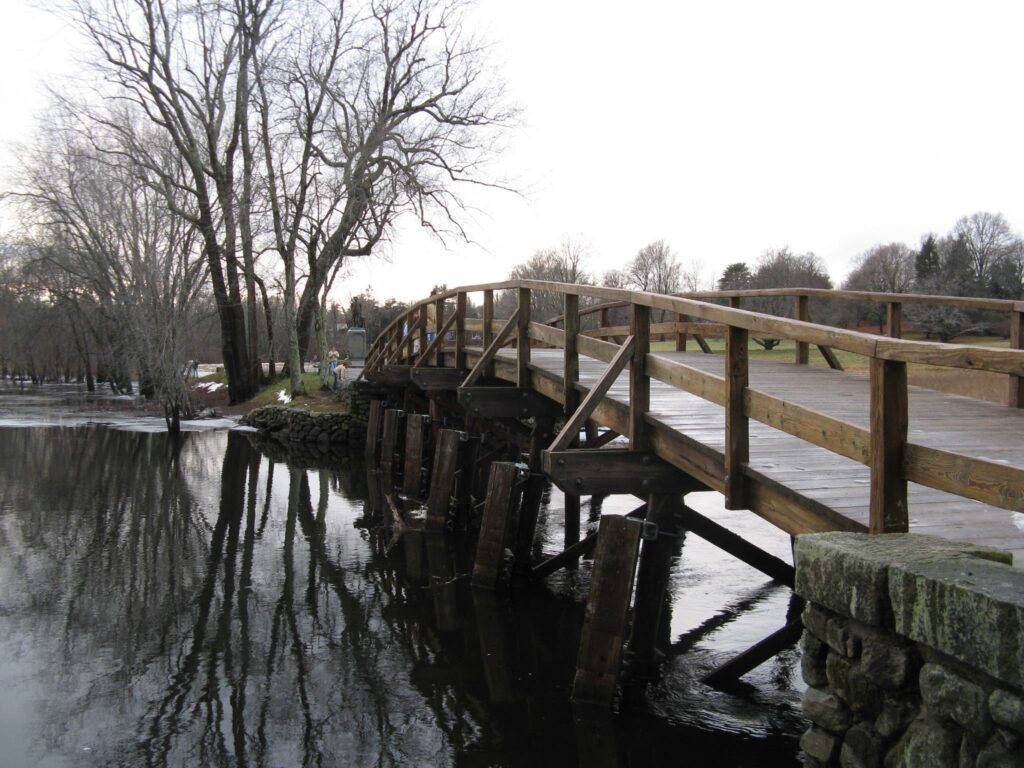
x=601 y=407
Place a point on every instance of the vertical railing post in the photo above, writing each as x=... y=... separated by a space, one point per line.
x=605 y=319
x=894 y=319
x=889 y=422
x=737 y=434
x=680 y=337
x=1016 y=394
x=438 y=324
x=639 y=383
x=802 y=313
x=424 y=342
x=460 y=330
x=571 y=373
x=410 y=321
x=523 y=340
x=488 y=335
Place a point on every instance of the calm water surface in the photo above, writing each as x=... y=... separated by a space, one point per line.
x=205 y=603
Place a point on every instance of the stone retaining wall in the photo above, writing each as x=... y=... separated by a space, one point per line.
x=913 y=652
x=296 y=425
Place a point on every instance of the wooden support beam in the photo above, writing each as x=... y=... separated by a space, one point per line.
x=469 y=453
x=565 y=558
x=446 y=461
x=568 y=557
x=506 y=402
x=803 y=314
x=443 y=588
x=652 y=578
x=415 y=432
x=737 y=436
x=615 y=470
x=392 y=375
x=503 y=490
x=526 y=530
x=492 y=349
x=889 y=423
x=390 y=441
x=374 y=421
x=735 y=545
x=571 y=505
x=598 y=441
x=540 y=436
x=437 y=379
x=755 y=656
x=604 y=624
x=1015 y=397
x=704 y=347
x=523 y=339
x=680 y=336
x=572 y=427
x=639 y=381
x=830 y=357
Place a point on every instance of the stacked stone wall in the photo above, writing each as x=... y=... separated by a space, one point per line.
x=296 y=425
x=913 y=652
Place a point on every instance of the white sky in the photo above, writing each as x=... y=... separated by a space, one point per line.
x=723 y=128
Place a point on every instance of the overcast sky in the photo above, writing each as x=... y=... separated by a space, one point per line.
x=723 y=128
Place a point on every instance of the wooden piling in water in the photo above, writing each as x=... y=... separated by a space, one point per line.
x=373 y=424
x=652 y=578
x=446 y=461
x=389 y=442
x=604 y=624
x=503 y=491
x=572 y=519
x=526 y=530
x=415 y=432
x=465 y=488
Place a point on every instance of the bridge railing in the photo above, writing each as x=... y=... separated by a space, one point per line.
x=883 y=446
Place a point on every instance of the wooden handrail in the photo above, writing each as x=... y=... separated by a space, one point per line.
x=884 y=446
x=800 y=331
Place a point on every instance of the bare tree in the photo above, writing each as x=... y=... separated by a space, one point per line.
x=781 y=268
x=888 y=268
x=655 y=268
x=184 y=64
x=412 y=116
x=567 y=264
x=986 y=237
x=105 y=238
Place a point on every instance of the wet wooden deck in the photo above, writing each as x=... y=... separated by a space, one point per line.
x=815 y=478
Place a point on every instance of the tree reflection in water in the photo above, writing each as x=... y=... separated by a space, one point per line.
x=161 y=613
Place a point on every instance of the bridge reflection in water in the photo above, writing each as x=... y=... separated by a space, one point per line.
x=207 y=603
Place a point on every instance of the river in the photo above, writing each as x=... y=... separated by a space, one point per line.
x=208 y=603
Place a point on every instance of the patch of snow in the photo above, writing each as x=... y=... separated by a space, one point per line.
x=283 y=397
x=210 y=386
x=1018 y=520
x=243 y=428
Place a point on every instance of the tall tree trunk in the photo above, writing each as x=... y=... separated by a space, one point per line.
x=294 y=353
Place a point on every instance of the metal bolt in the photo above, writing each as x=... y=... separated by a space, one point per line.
x=561 y=462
